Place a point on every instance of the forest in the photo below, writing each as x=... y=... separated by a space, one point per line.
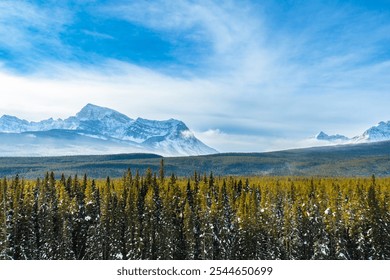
x=151 y=215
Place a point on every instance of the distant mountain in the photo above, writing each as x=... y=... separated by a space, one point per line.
x=97 y=130
x=379 y=132
x=323 y=136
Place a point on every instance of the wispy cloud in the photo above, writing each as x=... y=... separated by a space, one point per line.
x=97 y=34
x=243 y=75
x=204 y=21
x=29 y=32
x=223 y=32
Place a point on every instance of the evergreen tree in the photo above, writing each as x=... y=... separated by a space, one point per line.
x=186 y=218
x=65 y=245
x=47 y=229
x=94 y=238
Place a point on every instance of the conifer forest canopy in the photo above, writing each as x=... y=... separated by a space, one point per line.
x=157 y=216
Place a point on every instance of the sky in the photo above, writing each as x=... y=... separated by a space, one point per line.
x=243 y=75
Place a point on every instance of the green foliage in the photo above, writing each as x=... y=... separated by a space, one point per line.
x=158 y=217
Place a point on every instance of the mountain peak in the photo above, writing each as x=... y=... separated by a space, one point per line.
x=321 y=135
x=379 y=132
x=9 y=117
x=337 y=137
x=113 y=129
x=94 y=112
x=12 y=124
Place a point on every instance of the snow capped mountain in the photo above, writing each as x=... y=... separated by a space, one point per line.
x=100 y=120
x=337 y=137
x=379 y=132
x=114 y=130
x=92 y=112
x=13 y=124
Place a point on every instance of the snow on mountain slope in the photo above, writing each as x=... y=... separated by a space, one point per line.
x=100 y=120
x=93 y=112
x=337 y=137
x=13 y=124
x=170 y=137
x=60 y=143
x=142 y=129
x=379 y=132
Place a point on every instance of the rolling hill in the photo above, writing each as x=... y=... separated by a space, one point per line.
x=342 y=160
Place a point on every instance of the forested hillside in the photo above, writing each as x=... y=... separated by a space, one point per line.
x=152 y=216
x=334 y=161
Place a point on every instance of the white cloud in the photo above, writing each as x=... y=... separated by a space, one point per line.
x=221 y=24
x=230 y=33
x=25 y=26
x=228 y=142
x=98 y=35
x=126 y=88
x=258 y=89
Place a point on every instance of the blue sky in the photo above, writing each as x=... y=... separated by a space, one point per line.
x=244 y=75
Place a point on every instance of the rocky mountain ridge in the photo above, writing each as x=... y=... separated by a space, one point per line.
x=100 y=130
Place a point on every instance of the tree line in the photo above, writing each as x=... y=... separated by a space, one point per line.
x=151 y=216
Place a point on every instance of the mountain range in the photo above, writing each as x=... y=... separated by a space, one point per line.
x=379 y=132
x=97 y=130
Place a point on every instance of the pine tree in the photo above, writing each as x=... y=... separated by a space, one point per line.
x=94 y=238
x=377 y=229
x=46 y=219
x=3 y=219
x=65 y=245
x=162 y=172
x=106 y=214
x=186 y=218
x=131 y=216
x=8 y=236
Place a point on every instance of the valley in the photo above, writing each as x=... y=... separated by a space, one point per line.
x=343 y=160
